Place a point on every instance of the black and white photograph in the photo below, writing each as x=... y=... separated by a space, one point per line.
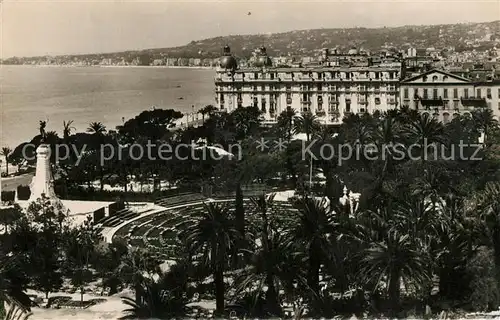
x=280 y=159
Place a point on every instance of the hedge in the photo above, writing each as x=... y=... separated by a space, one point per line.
x=99 y=214
x=8 y=196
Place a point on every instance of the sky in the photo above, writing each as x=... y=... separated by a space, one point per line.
x=52 y=27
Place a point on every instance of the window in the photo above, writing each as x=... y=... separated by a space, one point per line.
x=348 y=105
x=445 y=104
x=255 y=102
x=377 y=76
x=445 y=93
x=435 y=93
x=362 y=88
x=499 y=106
x=478 y=93
x=377 y=100
x=272 y=76
x=288 y=87
x=488 y=93
x=256 y=75
x=405 y=92
x=455 y=104
x=455 y=93
x=499 y=93
x=466 y=93
x=425 y=94
x=435 y=78
x=424 y=79
x=489 y=105
x=320 y=87
x=263 y=102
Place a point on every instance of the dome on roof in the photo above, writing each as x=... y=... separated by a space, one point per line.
x=263 y=59
x=227 y=61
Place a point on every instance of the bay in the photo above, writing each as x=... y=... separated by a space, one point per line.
x=29 y=94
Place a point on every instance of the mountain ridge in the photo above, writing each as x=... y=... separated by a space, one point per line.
x=309 y=41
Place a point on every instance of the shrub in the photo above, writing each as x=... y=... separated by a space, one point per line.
x=484 y=289
x=23 y=192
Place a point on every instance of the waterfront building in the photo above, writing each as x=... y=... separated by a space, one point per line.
x=445 y=95
x=338 y=85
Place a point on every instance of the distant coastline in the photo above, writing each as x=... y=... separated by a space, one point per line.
x=104 y=66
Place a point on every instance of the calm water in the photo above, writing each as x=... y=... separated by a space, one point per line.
x=86 y=94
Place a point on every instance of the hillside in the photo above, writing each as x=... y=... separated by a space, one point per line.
x=480 y=36
x=305 y=42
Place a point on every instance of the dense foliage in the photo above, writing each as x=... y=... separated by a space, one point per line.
x=424 y=232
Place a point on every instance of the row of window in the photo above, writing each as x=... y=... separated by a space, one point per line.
x=435 y=95
x=327 y=75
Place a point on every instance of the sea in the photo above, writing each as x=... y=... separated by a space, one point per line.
x=109 y=95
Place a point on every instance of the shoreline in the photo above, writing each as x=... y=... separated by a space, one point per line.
x=104 y=66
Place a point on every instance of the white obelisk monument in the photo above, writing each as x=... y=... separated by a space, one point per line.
x=43 y=182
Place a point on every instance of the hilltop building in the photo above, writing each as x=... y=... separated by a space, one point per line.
x=338 y=85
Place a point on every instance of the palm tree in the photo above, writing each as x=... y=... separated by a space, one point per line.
x=285 y=123
x=313 y=225
x=10 y=292
x=212 y=233
x=397 y=239
x=487 y=202
x=6 y=151
x=484 y=120
x=133 y=268
x=155 y=302
x=387 y=137
x=262 y=204
x=67 y=128
x=96 y=128
x=306 y=123
x=424 y=132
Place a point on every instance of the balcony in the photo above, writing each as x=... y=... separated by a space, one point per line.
x=474 y=102
x=436 y=102
x=306 y=102
x=391 y=101
x=320 y=113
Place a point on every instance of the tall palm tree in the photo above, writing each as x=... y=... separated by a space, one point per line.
x=487 y=202
x=262 y=204
x=6 y=151
x=284 y=124
x=313 y=225
x=212 y=233
x=96 y=128
x=388 y=137
x=67 y=129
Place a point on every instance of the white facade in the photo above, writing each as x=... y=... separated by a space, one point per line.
x=445 y=95
x=329 y=92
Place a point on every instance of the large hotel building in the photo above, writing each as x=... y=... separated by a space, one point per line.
x=341 y=84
